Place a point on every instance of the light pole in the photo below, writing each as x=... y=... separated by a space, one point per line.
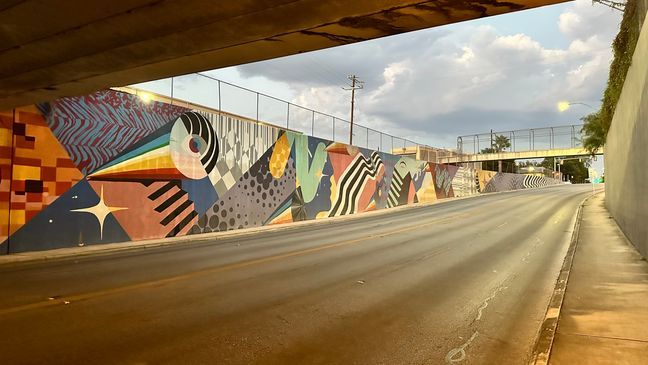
x=564 y=105
x=355 y=85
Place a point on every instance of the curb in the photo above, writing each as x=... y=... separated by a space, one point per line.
x=547 y=333
x=141 y=245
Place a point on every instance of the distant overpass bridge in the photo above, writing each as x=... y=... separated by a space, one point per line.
x=559 y=152
x=50 y=49
x=557 y=141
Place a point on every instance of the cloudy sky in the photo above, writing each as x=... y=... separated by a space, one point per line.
x=501 y=73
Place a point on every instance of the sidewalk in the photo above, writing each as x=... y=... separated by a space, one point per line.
x=604 y=316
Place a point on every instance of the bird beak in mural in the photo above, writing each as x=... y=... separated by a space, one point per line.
x=341 y=148
x=188 y=150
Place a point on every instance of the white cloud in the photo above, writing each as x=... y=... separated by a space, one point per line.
x=585 y=18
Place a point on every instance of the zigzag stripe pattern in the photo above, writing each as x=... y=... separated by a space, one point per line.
x=353 y=180
x=505 y=182
x=395 y=189
x=537 y=182
x=96 y=127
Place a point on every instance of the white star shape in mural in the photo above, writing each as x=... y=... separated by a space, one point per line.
x=100 y=211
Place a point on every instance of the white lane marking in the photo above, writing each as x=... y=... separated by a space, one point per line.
x=458 y=354
x=485 y=304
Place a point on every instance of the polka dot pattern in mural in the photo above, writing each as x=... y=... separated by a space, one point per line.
x=251 y=201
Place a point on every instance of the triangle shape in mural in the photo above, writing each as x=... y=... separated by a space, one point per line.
x=97 y=127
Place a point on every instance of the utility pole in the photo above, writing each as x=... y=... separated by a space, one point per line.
x=355 y=84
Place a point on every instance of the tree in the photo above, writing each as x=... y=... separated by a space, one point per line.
x=594 y=131
x=575 y=169
x=500 y=143
x=528 y=163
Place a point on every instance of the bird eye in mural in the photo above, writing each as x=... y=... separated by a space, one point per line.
x=193 y=145
x=186 y=148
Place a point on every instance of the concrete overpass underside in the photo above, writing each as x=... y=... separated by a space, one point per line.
x=51 y=48
x=525 y=155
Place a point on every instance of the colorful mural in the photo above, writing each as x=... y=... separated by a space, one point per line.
x=490 y=182
x=109 y=167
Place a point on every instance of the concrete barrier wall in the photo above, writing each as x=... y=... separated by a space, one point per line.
x=626 y=151
x=109 y=167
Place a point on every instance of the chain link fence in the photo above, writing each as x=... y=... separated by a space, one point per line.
x=569 y=136
x=204 y=90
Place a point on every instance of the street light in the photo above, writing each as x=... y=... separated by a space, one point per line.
x=145 y=97
x=564 y=105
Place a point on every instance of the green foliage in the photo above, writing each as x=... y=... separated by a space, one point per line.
x=598 y=124
x=575 y=169
x=499 y=144
x=488 y=150
x=528 y=163
x=594 y=132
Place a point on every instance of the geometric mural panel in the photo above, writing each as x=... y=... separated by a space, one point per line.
x=95 y=128
x=108 y=167
x=42 y=169
x=70 y=221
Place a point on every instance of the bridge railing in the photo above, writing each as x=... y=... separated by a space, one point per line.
x=522 y=140
x=224 y=96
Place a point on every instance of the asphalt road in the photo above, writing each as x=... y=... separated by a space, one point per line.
x=466 y=281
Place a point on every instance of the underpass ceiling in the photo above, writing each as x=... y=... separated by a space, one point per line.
x=51 y=48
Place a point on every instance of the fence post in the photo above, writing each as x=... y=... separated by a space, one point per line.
x=288 y=116
x=367 y=137
x=220 y=107
x=551 y=139
x=532 y=140
x=257 y=107
x=573 y=135
x=313 y=125
x=380 y=149
x=171 y=90
x=392 y=149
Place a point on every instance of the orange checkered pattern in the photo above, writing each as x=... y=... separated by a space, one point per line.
x=6 y=120
x=42 y=169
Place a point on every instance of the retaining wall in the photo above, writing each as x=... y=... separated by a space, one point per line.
x=626 y=165
x=109 y=167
